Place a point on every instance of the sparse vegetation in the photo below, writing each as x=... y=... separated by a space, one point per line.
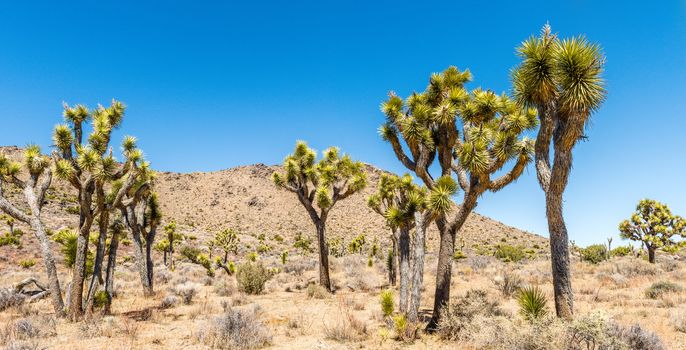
x=251 y=277
x=532 y=303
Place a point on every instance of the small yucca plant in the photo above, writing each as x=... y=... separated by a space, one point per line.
x=387 y=304
x=532 y=303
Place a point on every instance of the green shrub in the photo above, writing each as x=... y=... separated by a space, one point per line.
x=252 y=256
x=8 y=239
x=509 y=253
x=284 y=257
x=100 y=299
x=74 y=210
x=459 y=255
x=370 y=262
x=336 y=247
x=27 y=264
x=357 y=244
x=251 y=277
x=594 y=253
x=278 y=238
x=263 y=248
x=621 y=251
x=658 y=289
x=532 y=303
x=387 y=303
x=66 y=238
x=303 y=243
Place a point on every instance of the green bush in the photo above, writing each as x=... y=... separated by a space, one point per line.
x=532 y=303
x=284 y=257
x=336 y=247
x=621 y=251
x=100 y=299
x=357 y=244
x=509 y=253
x=27 y=264
x=251 y=277
x=459 y=255
x=252 y=256
x=658 y=289
x=8 y=239
x=303 y=243
x=387 y=303
x=594 y=253
x=74 y=210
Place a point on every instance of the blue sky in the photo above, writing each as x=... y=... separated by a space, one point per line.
x=212 y=85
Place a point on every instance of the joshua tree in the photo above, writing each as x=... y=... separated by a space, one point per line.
x=319 y=186
x=89 y=168
x=142 y=215
x=406 y=205
x=172 y=238
x=34 y=187
x=472 y=135
x=653 y=225
x=563 y=80
x=227 y=240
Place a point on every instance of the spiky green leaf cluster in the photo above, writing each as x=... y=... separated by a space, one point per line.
x=325 y=181
x=397 y=199
x=567 y=72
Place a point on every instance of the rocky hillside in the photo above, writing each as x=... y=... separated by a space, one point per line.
x=245 y=199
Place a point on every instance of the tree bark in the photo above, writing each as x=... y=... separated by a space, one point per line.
x=404 y=254
x=417 y=267
x=324 y=279
x=393 y=262
x=79 y=271
x=109 y=275
x=49 y=262
x=651 y=254
x=96 y=278
x=446 y=253
x=559 y=250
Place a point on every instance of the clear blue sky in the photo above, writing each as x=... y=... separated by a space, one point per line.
x=213 y=85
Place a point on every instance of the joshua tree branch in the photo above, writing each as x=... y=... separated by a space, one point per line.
x=400 y=153
x=512 y=175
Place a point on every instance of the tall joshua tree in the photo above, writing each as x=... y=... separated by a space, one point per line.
x=34 y=187
x=563 y=80
x=319 y=185
x=89 y=168
x=472 y=135
x=653 y=225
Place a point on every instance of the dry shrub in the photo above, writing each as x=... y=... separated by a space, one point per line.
x=629 y=267
x=29 y=328
x=186 y=291
x=345 y=326
x=169 y=302
x=658 y=289
x=677 y=319
x=317 y=292
x=9 y=298
x=235 y=329
x=22 y=345
x=508 y=283
x=297 y=267
x=456 y=320
x=224 y=288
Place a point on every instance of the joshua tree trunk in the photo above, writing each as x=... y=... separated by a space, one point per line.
x=404 y=254
x=96 y=278
x=149 y=239
x=164 y=256
x=139 y=252
x=445 y=256
x=49 y=262
x=79 y=270
x=417 y=267
x=651 y=254
x=393 y=259
x=109 y=278
x=323 y=256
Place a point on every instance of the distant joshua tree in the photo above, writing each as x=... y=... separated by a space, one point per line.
x=34 y=187
x=653 y=225
x=472 y=136
x=319 y=185
x=562 y=79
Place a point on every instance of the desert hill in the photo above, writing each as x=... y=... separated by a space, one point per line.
x=244 y=198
